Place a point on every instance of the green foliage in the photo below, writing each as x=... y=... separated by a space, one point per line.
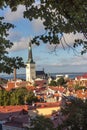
x=78 y=87
x=59 y=82
x=31 y=97
x=77 y=114
x=1 y=97
x=53 y=83
x=3 y=81
x=60 y=17
x=4 y=98
x=42 y=123
x=18 y=96
x=7 y=64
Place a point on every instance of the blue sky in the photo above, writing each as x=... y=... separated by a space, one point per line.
x=59 y=61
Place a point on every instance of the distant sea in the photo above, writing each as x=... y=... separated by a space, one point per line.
x=71 y=75
x=23 y=76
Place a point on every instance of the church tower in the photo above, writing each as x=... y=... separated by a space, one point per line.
x=30 y=66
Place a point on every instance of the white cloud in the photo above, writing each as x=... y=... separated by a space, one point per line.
x=20 y=45
x=16 y=15
x=37 y=25
x=73 y=60
x=14 y=35
x=79 y=60
x=51 y=47
x=67 y=39
x=68 y=61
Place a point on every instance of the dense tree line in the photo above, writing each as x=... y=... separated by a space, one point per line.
x=18 y=96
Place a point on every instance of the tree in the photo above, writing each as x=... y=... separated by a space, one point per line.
x=58 y=17
x=76 y=109
x=31 y=97
x=1 y=97
x=53 y=83
x=42 y=123
x=7 y=64
x=19 y=96
x=5 y=96
x=79 y=87
x=13 y=98
x=61 y=81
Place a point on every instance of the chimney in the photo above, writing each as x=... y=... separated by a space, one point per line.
x=14 y=74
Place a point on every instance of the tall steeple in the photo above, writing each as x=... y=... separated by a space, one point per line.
x=30 y=65
x=30 y=56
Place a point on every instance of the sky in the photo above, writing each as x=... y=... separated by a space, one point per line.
x=62 y=60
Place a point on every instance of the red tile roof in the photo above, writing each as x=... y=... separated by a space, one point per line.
x=15 y=84
x=81 y=94
x=7 y=112
x=40 y=82
x=61 y=89
x=7 y=109
x=47 y=104
x=84 y=76
x=10 y=85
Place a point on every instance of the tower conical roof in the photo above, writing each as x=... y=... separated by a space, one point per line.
x=30 y=56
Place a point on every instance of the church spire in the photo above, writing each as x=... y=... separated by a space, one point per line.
x=30 y=65
x=30 y=57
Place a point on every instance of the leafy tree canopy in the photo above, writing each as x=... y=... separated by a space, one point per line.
x=42 y=123
x=61 y=81
x=58 y=16
x=77 y=114
x=7 y=64
x=53 y=83
x=19 y=96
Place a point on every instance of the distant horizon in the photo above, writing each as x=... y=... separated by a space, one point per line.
x=5 y=74
x=23 y=76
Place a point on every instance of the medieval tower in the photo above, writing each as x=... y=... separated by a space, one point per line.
x=30 y=66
